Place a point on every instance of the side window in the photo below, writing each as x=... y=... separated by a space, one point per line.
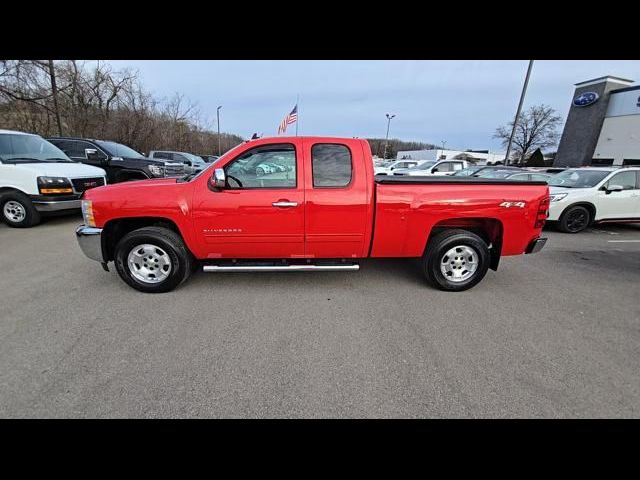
x=270 y=166
x=162 y=155
x=457 y=166
x=180 y=158
x=75 y=149
x=445 y=167
x=331 y=165
x=627 y=180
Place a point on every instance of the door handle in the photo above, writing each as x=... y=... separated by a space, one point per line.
x=284 y=204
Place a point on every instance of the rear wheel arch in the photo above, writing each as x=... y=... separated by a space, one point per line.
x=489 y=229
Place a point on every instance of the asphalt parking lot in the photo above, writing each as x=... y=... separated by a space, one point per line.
x=556 y=334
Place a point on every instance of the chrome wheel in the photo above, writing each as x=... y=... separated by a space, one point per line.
x=459 y=263
x=149 y=263
x=14 y=211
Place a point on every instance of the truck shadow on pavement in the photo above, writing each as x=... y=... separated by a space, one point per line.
x=406 y=271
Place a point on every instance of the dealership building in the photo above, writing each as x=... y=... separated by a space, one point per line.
x=603 y=124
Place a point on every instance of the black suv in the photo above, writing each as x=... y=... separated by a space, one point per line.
x=121 y=163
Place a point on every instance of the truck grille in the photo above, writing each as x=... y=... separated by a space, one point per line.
x=174 y=169
x=82 y=184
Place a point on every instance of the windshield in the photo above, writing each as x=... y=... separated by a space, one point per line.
x=495 y=173
x=422 y=166
x=19 y=148
x=465 y=172
x=119 y=150
x=578 y=178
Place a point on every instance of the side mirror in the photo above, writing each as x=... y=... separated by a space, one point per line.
x=613 y=188
x=434 y=170
x=93 y=154
x=218 y=179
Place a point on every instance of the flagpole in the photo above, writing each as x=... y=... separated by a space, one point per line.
x=298 y=111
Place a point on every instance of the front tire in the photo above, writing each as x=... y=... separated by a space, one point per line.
x=153 y=260
x=18 y=211
x=574 y=219
x=455 y=260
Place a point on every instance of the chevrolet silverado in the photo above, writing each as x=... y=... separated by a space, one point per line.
x=321 y=209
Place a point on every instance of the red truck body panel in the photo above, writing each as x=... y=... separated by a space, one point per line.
x=364 y=218
x=405 y=214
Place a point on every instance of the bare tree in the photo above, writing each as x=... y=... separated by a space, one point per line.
x=537 y=128
x=93 y=100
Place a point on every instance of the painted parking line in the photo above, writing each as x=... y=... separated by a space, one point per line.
x=597 y=230
x=623 y=241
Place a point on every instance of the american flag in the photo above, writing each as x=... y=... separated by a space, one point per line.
x=288 y=120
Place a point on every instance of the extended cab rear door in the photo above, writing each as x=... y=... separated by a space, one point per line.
x=339 y=198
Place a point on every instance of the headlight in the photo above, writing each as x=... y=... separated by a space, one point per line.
x=557 y=197
x=54 y=185
x=156 y=171
x=87 y=213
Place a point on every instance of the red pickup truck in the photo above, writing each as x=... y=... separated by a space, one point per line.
x=308 y=203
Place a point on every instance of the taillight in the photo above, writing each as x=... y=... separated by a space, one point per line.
x=543 y=213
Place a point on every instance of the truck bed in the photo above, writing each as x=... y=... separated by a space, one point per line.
x=409 y=209
x=449 y=180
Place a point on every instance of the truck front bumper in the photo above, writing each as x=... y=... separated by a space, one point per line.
x=536 y=245
x=90 y=241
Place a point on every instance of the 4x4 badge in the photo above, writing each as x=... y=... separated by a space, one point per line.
x=513 y=204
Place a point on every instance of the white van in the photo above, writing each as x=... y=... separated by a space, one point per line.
x=37 y=178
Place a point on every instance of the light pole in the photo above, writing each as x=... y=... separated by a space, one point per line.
x=444 y=142
x=515 y=120
x=218 y=115
x=386 y=141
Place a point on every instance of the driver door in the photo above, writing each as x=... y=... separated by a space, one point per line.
x=260 y=213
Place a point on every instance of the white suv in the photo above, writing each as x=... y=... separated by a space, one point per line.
x=37 y=178
x=582 y=196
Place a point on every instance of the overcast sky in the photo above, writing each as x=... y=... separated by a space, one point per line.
x=461 y=102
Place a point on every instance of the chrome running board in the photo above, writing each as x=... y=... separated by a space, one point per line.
x=279 y=268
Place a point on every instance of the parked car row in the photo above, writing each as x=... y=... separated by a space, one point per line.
x=421 y=168
x=41 y=176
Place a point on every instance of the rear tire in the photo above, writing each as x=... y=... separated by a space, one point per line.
x=17 y=210
x=153 y=260
x=455 y=260
x=574 y=219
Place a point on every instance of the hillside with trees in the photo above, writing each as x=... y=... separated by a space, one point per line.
x=75 y=98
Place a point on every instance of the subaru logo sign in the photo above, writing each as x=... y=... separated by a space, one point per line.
x=585 y=99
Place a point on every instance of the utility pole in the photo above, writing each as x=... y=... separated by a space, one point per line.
x=444 y=142
x=515 y=120
x=218 y=115
x=386 y=142
x=54 y=91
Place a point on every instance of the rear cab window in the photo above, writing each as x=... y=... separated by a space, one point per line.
x=331 y=165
